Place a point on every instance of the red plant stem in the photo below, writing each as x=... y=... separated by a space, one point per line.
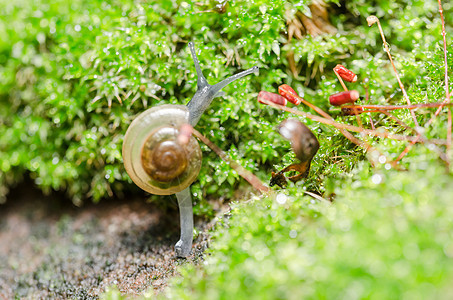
x=447 y=94
x=367 y=99
x=378 y=108
x=394 y=118
x=422 y=137
x=378 y=133
x=341 y=81
x=430 y=121
x=396 y=72
x=449 y=132
x=446 y=102
x=346 y=134
x=244 y=173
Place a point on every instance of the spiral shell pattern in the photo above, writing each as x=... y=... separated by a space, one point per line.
x=152 y=156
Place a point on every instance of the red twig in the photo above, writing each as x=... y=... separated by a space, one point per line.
x=341 y=81
x=378 y=133
x=244 y=173
x=379 y=108
x=367 y=99
x=447 y=94
x=422 y=137
x=446 y=101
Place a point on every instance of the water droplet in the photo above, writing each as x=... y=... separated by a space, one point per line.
x=281 y=198
x=376 y=178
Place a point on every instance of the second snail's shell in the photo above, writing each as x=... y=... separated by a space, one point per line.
x=153 y=158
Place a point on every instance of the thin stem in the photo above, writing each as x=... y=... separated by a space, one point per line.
x=244 y=173
x=341 y=81
x=378 y=108
x=346 y=134
x=447 y=94
x=396 y=72
x=449 y=132
x=378 y=133
x=367 y=99
x=446 y=102
x=430 y=121
x=443 y=104
x=422 y=137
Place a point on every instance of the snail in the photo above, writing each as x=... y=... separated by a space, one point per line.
x=163 y=158
x=305 y=145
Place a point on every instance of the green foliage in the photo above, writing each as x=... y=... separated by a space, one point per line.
x=386 y=236
x=74 y=75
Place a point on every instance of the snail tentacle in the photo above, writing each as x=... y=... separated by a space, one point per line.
x=201 y=80
x=205 y=92
x=217 y=87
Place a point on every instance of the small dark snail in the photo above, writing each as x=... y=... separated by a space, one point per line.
x=163 y=158
x=305 y=145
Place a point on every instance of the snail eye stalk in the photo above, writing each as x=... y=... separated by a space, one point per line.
x=205 y=92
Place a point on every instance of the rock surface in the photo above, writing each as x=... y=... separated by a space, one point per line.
x=51 y=249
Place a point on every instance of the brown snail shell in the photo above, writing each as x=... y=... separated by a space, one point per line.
x=152 y=155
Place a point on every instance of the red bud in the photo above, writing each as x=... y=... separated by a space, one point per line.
x=344 y=73
x=349 y=111
x=290 y=94
x=343 y=97
x=272 y=97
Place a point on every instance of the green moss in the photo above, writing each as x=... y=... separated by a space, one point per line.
x=387 y=235
x=64 y=67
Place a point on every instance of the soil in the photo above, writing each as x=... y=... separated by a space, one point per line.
x=50 y=248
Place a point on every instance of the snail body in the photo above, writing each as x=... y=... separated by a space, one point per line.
x=161 y=156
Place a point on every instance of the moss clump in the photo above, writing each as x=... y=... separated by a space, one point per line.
x=74 y=75
x=387 y=235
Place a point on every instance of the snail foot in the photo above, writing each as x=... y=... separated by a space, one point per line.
x=182 y=250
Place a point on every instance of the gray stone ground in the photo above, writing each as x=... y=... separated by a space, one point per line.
x=52 y=249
